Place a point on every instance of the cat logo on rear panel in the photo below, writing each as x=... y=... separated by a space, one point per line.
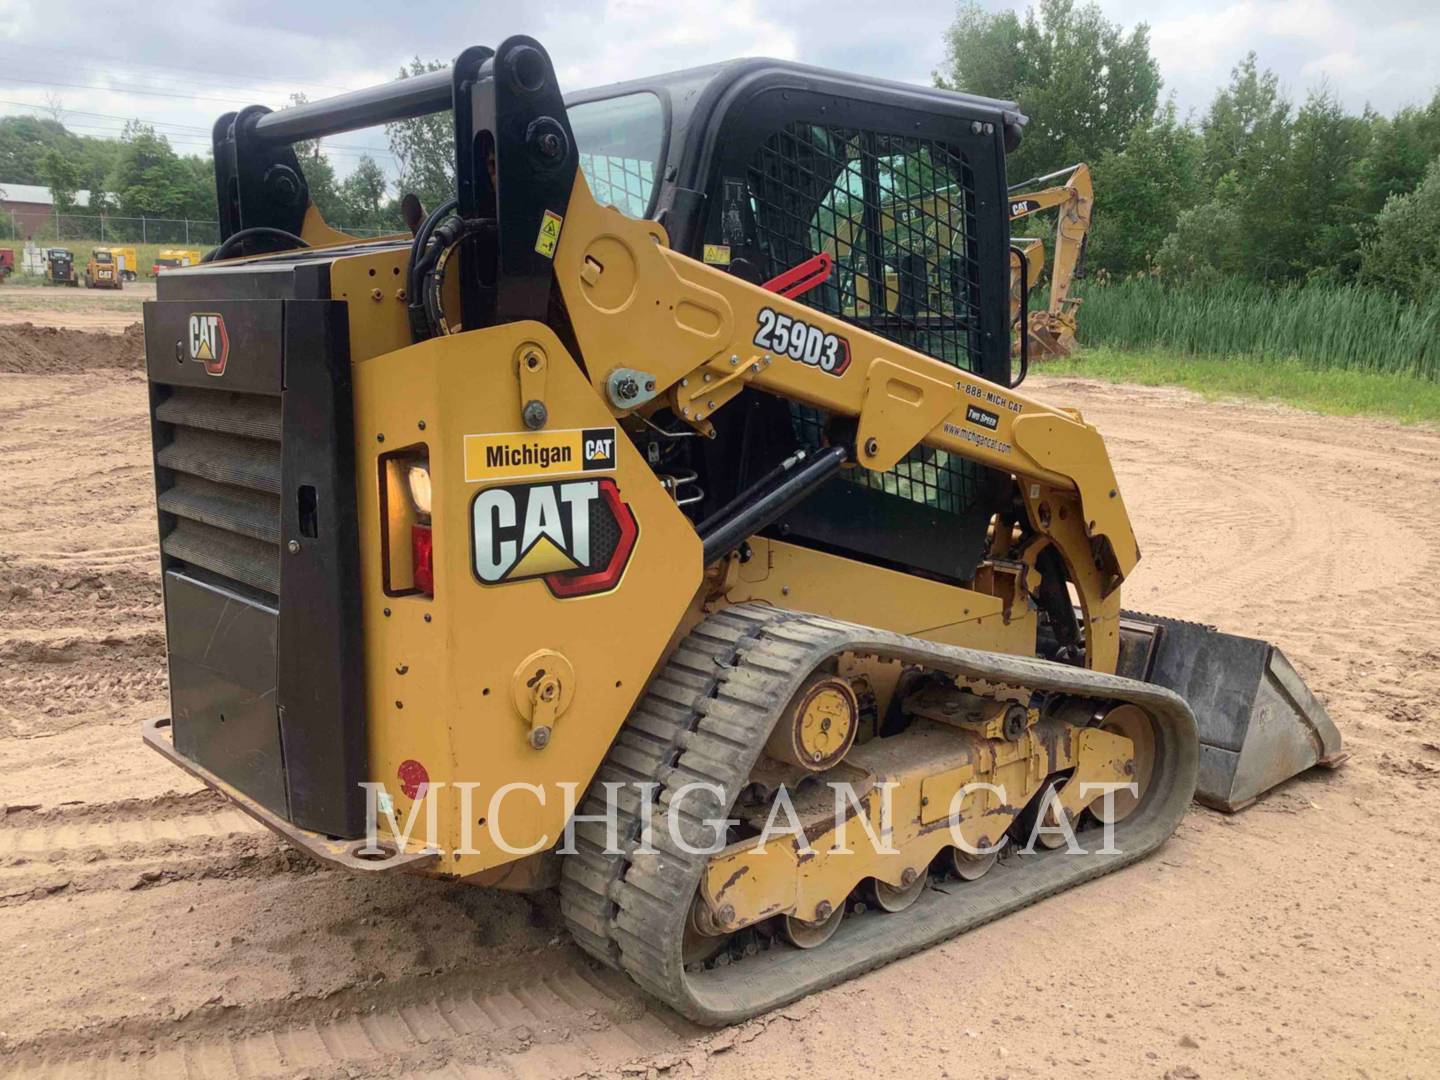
x=209 y=342
x=576 y=535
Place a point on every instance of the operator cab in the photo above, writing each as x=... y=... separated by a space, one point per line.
x=756 y=166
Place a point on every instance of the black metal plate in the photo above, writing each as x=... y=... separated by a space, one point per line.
x=222 y=686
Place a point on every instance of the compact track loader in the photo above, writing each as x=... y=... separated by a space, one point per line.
x=669 y=482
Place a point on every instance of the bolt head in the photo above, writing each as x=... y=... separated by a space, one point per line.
x=294 y=547
x=534 y=414
x=823 y=910
x=872 y=446
x=909 y=876
x=540 y=738
x=726 y=914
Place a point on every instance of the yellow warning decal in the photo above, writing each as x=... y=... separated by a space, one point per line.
x=515 y=455
x=717 y=254
x=549 y=234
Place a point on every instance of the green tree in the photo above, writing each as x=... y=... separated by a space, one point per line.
x=198 y=190
x=425 y=147
x=1320 y=234
x=1083 y=81
x=150 y=180
x=1153 y=181
x=1245 y=140
x=60 y=174
x=1209 y=242
x=1396 y=155
x=24 y=140
x=362 y=197
x=1402 y=249
x=1242 y=129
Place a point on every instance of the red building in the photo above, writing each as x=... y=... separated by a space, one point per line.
x=29 y=207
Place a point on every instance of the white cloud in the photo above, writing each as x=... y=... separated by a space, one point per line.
x=259 y=51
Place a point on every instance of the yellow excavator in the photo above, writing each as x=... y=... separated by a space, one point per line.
x=1051 y=330
x=590 y=535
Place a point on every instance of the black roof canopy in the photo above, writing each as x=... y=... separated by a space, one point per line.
x=695 y=99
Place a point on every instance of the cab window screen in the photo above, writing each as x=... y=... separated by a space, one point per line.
x=619 y=140
x=897 y=213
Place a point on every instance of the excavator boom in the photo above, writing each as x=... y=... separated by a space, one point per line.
x=1052 y=331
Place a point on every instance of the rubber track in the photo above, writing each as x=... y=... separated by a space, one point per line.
x=704 y=721
x=647 y=749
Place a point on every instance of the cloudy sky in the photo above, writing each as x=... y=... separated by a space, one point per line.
x=180 y=65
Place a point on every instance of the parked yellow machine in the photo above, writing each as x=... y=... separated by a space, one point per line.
x=173 y=258
x=550 y=518
x=127 y=260
x=103 y=270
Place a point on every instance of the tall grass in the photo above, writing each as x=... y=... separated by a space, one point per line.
x=1346 y=327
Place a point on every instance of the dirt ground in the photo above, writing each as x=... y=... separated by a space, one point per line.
x=152 y=932
x=103 y=310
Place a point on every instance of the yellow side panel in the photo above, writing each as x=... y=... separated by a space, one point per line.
x=440 y=672
x=790 y=576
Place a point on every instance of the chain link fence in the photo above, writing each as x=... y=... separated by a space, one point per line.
x=58 y=228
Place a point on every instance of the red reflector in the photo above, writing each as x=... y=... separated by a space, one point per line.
x=414 y=780
x=422 y=554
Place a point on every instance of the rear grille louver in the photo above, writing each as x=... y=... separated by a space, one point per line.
x=219 y=485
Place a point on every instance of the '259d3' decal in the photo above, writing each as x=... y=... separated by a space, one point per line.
x=801 y=341
x=575 y=534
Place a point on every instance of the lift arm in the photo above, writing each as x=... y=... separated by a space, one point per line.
x=654 y=325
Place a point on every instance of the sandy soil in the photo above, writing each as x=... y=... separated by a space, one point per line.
x=103 y=310
x=150 y=931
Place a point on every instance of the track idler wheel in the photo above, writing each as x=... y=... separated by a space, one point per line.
x=1131 y=722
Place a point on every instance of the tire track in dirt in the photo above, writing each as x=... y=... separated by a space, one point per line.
x=564 y=1020
x=134 y=845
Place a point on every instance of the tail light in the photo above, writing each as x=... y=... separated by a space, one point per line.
x=422 y=550
x=422 y=557
x=408 y=541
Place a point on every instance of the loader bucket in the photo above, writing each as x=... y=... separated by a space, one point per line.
x=1259 y=723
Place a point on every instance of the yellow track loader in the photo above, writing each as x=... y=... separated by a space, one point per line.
x=593 y=535
x=1051 y=332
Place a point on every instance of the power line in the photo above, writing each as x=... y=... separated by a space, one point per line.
x=183 y=129
x=106 y=116
x=244 y=80
x=112 y=89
